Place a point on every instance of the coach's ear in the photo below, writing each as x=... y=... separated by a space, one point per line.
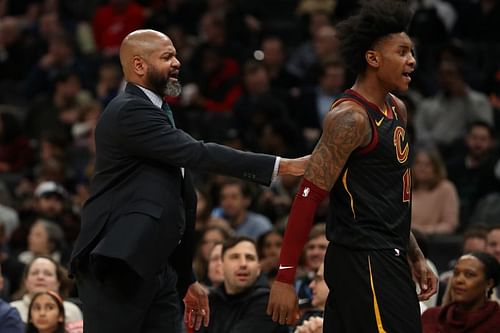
x=372 y=58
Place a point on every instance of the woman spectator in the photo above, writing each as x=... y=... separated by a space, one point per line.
x=46 y=313
x=215 y=272
x=269 y=248
x=435 y=204
x=44 y=239
x=474 y=277
x=210 y=236
x=44 y=274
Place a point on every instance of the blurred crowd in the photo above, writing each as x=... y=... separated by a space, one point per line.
x=257 y=75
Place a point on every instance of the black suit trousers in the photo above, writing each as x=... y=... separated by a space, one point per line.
x=116 y=300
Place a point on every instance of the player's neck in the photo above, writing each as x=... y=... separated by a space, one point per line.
x=371 y=90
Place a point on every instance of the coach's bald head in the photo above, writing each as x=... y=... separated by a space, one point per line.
x=148 y=59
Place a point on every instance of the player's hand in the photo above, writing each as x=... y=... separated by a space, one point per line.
x=196 y=309
x=283 y=304
x=425 y=277
x=294 y=167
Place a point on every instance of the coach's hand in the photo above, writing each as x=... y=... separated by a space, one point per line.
x=283 y=304
x=294 y=167
x=196 y=309
x=425 y=277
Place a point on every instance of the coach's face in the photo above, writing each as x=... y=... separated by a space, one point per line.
x=163 y=69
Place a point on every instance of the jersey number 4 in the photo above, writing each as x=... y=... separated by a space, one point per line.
x=407 y=185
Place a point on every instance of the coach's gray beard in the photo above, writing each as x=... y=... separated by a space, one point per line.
x=173 y=89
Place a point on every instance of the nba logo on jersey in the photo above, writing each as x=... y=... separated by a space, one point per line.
x=306 y=191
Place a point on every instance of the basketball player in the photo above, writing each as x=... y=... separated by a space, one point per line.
x=362 y=163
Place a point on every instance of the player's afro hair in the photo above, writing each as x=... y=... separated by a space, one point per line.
x=359 y=33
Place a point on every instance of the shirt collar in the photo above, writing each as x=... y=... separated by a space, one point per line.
x=153 y=97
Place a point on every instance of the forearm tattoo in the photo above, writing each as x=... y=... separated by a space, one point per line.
x=343 y=132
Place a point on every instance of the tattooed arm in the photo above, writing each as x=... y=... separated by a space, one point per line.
x=345 y=128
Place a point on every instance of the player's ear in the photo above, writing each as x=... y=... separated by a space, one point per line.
x=372 y=58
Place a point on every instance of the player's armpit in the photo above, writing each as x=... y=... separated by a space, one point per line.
x=345 y=128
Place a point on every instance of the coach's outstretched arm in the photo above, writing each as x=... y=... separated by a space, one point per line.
x=345 y=128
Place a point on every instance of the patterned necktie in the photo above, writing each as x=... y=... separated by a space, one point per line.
x=169 y=113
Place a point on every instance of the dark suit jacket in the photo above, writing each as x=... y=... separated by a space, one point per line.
x=141 y=206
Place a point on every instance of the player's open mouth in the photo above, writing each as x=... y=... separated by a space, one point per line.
x=407 y=75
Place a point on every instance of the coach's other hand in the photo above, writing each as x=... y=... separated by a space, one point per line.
x=196 y=309
x=283 y=304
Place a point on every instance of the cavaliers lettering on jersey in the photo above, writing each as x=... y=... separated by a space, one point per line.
x=370 y=204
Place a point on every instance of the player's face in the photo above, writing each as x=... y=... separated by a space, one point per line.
x=396 y=61
x=163 y=69
x=469 y=283
x=241 y=267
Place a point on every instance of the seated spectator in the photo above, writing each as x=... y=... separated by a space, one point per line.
x=10 y=321
x=269 y=248
x=474 y=277
x=44 y=274
x=46 y=313
x=239 y=304
x=203 y=213
x=435 y=205
x=45 y=239
x=312 y=321
x=319 y=291
x=472 y=171
x=215 y=272
x=275 y=201
x=49 y=201
x=210 y=236
x=443 y=119
x=493 y=241
x=113 y=21
x=314 y=256
x=474 y=240
x=235 y=200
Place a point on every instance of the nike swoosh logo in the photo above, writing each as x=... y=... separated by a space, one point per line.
x=379 y=122
x=285 y=267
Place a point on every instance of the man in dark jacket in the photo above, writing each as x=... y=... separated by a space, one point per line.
x=132 y=259
x=239 y=304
